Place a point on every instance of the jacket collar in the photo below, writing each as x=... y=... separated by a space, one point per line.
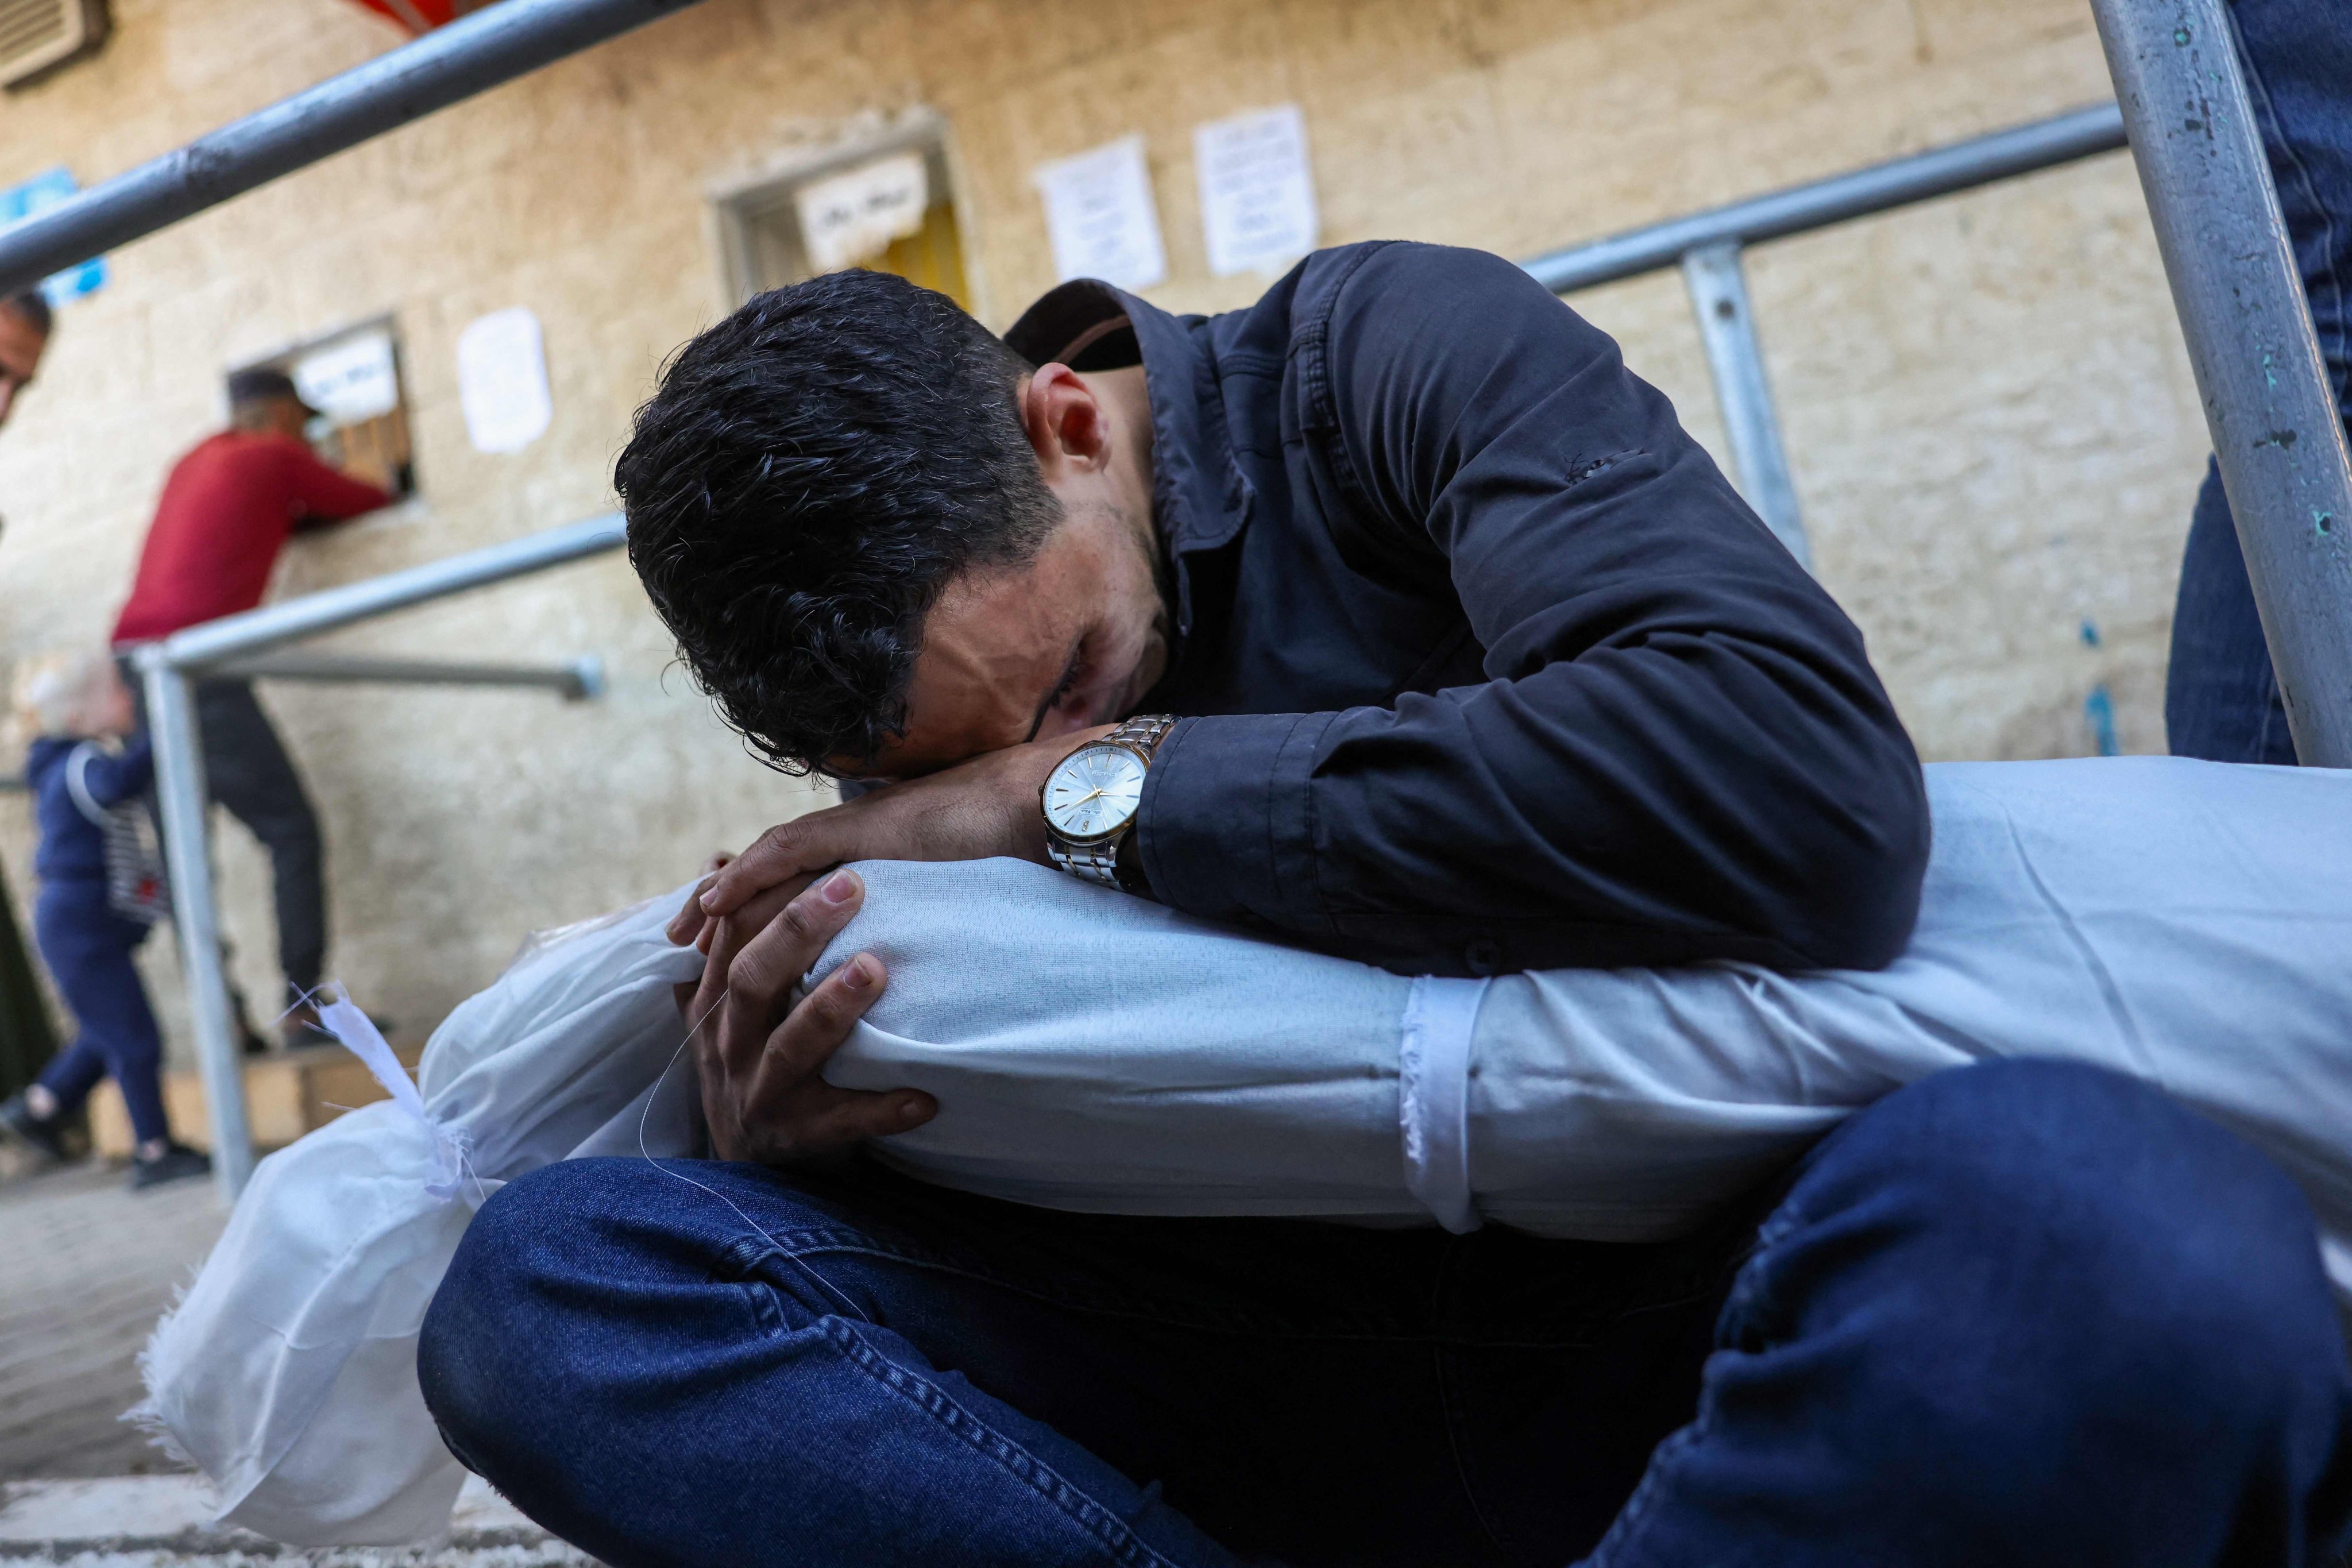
x=1190 y=453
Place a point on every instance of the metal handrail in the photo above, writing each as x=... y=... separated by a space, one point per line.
x=577 y=682
x=242 y=644
x=1709 y=248
x=2277 y=428
x=200 y=646
x=493 y=44
x=1799 y=209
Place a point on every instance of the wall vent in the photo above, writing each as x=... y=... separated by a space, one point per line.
x=35 y=35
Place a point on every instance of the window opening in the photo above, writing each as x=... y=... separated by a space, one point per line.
x=354 y=379
x=886 y=205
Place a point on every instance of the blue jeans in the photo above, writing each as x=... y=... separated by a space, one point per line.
x=87 y=948
x=2021 y=1313
x=2221 y=698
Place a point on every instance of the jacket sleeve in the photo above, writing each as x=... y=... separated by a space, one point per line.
x=123 y=776
x=324 y=493
x=1680 y=751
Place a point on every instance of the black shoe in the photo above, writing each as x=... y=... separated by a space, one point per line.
x=40 y=1132
x=175 y=1164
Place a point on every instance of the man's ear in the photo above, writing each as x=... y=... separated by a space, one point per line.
x=1066 y=423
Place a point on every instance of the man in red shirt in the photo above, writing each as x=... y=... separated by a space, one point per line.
x=226 y=512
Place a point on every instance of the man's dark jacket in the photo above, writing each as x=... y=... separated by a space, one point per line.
x=1492 y=668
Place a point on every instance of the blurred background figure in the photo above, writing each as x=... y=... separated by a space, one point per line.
x=23 y=332
x=226 y=512
x=100 y=892
x=26 y=1037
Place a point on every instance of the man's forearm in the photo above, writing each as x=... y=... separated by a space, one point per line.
x=1592 y=817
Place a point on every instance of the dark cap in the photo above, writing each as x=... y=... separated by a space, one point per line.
x=262 y=384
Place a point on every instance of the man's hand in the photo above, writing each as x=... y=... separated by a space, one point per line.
x=974 y=810
x=762 y=1058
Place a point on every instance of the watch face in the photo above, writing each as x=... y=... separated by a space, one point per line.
x=1094 y=793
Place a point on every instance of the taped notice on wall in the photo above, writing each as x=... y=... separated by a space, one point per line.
x=853 y=216
x=352 y=380
x=1258 y=192
x=1100 y=214
x=502 y=381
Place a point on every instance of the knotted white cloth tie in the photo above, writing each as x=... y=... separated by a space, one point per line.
x=454 y=1174
x=1433 y=1096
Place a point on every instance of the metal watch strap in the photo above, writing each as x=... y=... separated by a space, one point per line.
x=1099 y=863
x=1144 y=732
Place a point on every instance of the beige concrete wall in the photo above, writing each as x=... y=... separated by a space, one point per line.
x=1993 y=431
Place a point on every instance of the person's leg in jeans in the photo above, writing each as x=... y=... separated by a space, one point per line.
x=2021 y=1313
x=247 y=771
x=858 y=1368
x=2221 y=698
x=2024 y=1313
x=87 y=948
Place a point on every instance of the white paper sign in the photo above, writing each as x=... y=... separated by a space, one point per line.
x=350 y=381
x=1099 y=212
x=502 y=379
x=1258 y=192
x=850 y=216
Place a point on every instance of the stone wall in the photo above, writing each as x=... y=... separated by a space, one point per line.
x=1993 y=430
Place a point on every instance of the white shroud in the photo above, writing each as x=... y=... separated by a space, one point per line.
x=2187 y=924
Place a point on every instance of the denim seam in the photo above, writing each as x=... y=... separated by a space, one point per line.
x=1111 y=1533
x=1617 y=1545
x=741 y=1257
x=1449 y=1394
x=749 y=1251
x=1748 y=1289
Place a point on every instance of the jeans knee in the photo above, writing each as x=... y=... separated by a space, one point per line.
x=492 y=1346
x=573 y=1284
x=2111 y=1242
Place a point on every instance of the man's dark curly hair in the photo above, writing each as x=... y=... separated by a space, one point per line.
x=811 y=475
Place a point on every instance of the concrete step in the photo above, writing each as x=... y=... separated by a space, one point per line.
x=162 y=1521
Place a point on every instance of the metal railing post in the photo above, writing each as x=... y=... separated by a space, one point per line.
x=2275 y=424
x=1718 y=292
x=187 y=853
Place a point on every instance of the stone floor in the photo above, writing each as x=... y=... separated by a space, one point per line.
x=85 y=1267
x=164 y=1521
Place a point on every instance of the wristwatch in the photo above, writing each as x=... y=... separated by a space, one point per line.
x=1092 y=795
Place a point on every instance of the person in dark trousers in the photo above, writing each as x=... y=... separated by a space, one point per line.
x=226 y=512
x=2221 y=697
x=100 y=894
x=27 y=1039
x=1392 y=615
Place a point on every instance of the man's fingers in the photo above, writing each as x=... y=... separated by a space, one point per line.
x=764 y=970
x=789 y=850
x=855 y=1115
x=760 y=909
x=689 y=922
x=825 y=1117
x=822 y=1020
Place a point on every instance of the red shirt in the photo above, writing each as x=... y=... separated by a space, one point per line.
x=225 y=512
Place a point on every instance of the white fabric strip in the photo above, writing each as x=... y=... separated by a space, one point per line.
x=1433 y=1096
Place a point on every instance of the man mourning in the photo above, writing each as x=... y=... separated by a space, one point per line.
x=1391 y=617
